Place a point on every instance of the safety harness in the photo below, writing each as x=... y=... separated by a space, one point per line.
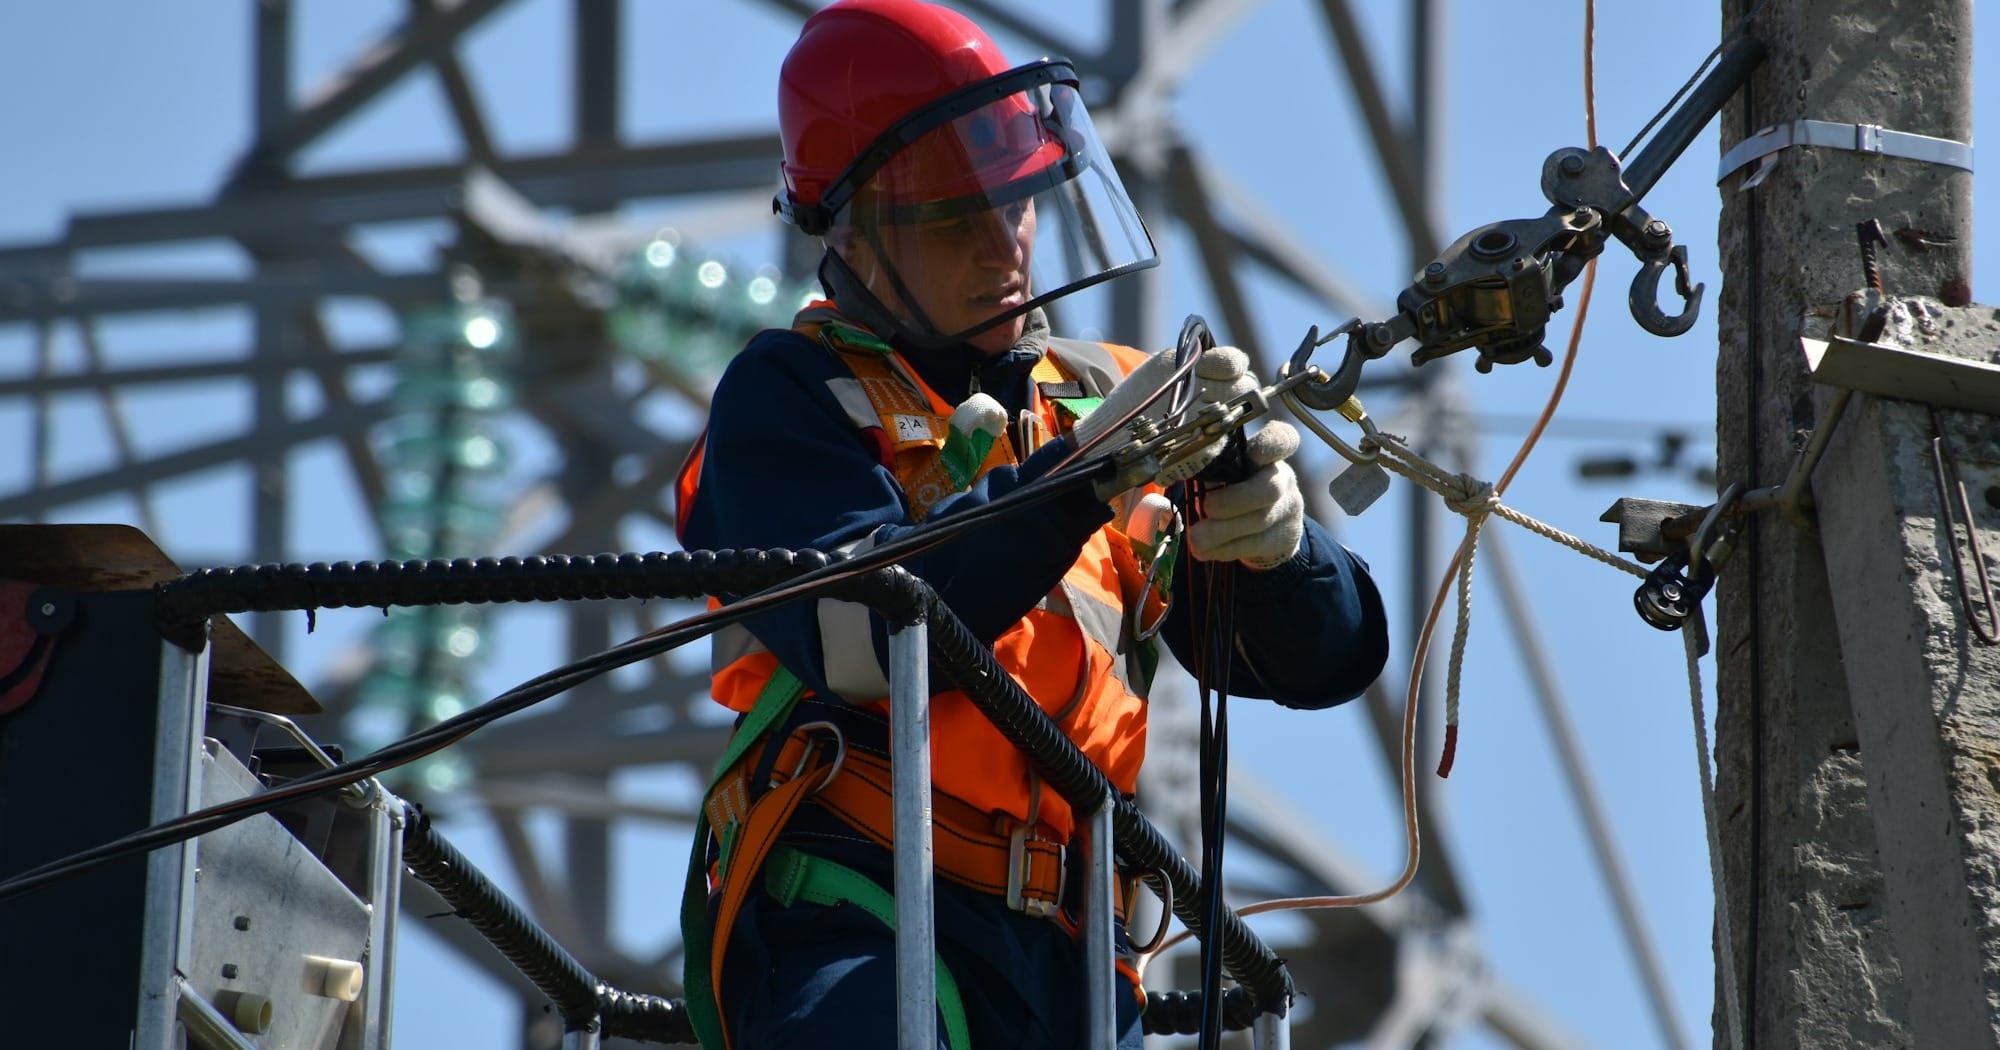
x=754 y=795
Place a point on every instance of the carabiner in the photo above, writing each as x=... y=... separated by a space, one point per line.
x=1165 y=529
x=1349 y=409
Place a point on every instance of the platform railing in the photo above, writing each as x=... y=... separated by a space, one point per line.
x=924 y=635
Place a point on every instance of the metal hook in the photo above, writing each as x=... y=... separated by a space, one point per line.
x=1645 y=297
x=1329 y=393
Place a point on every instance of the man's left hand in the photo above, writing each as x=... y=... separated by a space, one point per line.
x=1259 y=520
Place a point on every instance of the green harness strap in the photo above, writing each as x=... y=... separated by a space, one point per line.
x=772 y=706
x=792 y=876
x=789 y=876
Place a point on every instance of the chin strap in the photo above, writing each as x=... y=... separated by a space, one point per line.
x=848 y=289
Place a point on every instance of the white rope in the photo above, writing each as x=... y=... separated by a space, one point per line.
x=1477 y=500
x=1474 y=498
x=1726 y=951
x=1585 y=547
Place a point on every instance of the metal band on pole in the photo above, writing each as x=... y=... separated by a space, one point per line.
x=1857 y=138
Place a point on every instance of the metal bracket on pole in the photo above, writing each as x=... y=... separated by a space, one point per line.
x=1909 y=375
x=910 y=769
x=1647 y=527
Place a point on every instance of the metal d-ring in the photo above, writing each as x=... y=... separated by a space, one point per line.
x=1166 y=917
x=806 y=754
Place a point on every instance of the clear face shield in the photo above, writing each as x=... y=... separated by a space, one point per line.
x=984 y=206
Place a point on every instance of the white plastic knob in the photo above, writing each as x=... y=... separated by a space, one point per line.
x=248 y=1011
x=333 y=978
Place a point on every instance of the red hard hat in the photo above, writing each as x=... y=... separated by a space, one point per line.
x=861 y=67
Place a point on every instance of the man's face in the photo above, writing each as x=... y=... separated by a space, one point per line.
x=959 y=271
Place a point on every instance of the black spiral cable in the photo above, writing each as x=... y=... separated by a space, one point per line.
x=1181 y=1013
x=183 y=603
x=188 y=601
x=547 y=965
x=581 y=998
x=644 y=1018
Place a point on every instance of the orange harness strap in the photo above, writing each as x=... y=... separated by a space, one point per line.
x=966 y=847
x=857 y=786
x=752 y=842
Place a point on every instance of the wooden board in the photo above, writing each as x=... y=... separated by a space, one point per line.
x=122 y=558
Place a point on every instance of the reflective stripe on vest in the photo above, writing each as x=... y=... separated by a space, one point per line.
x=739 y=665
x=853 y=401
x=847 y=642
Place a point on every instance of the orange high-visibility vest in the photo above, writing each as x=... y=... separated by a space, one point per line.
x=1072 y=653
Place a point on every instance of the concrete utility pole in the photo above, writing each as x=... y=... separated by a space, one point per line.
x=1859 y=721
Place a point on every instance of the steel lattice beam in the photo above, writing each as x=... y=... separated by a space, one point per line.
x=422 y=38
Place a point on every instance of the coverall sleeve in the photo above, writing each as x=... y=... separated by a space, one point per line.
x=1310 y=633
x=785 y=467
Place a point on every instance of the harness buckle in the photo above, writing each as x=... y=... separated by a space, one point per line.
x=1020 y=868
x=810 y=748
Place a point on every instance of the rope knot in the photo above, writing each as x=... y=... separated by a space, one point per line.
x=1469 y=496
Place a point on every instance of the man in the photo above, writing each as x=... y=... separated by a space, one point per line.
x=955 y=196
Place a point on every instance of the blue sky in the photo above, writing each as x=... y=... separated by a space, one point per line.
x=118 y=105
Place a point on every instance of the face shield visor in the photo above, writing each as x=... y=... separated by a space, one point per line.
x=983 y=206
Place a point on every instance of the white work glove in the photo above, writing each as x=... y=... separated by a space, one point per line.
x=1257 y=521
x=1220 y=373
